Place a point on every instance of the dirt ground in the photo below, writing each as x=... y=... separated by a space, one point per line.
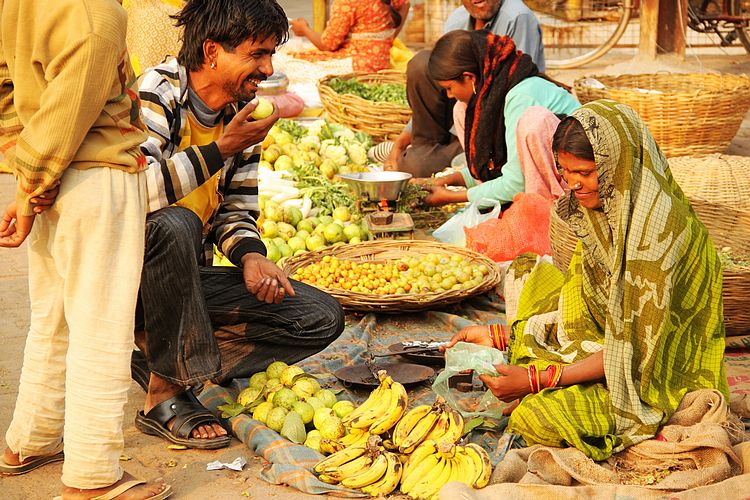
x=148 y=457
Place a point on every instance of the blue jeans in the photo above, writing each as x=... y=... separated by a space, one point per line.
x=201 y=323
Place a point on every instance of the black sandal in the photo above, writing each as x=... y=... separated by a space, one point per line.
x=188 y=413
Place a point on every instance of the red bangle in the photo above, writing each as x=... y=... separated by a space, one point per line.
x=533 y=379
x=496 y=335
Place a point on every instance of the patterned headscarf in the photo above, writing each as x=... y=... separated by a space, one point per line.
x=650 y=275
x=502 y=67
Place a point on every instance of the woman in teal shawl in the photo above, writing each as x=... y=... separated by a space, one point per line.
x=601 y=357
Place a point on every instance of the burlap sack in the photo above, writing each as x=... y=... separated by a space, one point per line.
x=693 y=450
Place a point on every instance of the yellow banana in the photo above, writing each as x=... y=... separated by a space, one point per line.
x=330 y=446
x=350 y=468
x=394 y=412
x=447 y=449
x=366 y=419
x=420 y=453
x=416 y=472
x=455 y=427
x=408 y=421
x=440 y=427
x=354 y=436
x=481 y=462
x=390 y=479
x=373 y=400
x=340 y=458
x=467 y=469
x=388 y=445
x=431 y=482
x=419 y=432
x=368 y=476
x=328 y=479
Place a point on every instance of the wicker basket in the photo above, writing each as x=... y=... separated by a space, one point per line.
x=718 y=187
x=382 y=120
x=687 y=114
x=376 y=251
x=735 y=291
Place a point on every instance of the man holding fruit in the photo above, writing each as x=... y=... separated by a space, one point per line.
x=196 y=322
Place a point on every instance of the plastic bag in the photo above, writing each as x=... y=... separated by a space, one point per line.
x=452 y=230
x=465 y=356
x=524 y=227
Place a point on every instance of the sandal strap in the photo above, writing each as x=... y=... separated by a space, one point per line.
x=113 y=493
x=187 y=412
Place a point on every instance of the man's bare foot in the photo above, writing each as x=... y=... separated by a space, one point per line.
x=11 y=458
x=160 y=390
x=140 y=492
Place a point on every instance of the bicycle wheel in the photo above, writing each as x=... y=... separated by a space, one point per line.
x=576 y=32
x=742 y=9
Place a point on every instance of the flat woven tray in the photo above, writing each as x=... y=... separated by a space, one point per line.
x=382 y=120
x=692 y=113
x=378 y=251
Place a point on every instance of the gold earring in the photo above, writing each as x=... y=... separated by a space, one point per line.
x=473 y=88
x=213 y=65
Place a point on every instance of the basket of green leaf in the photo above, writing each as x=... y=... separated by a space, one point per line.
x=374 y=103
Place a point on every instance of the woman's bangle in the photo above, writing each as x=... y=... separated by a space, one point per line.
x=495 y=332
x=554 y=372
x=533 y=379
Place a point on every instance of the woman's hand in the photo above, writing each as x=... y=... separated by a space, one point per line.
x=476 y=334
x=511 y=383
x=300 y=27
x=439 y=195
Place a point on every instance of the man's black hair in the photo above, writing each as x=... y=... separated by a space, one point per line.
x=228 y=22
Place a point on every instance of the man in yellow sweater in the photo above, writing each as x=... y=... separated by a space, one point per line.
x=69 y=115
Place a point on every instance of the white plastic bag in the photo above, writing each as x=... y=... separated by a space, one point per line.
x=452 y=230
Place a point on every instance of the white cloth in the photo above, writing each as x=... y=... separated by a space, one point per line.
x=85 y=259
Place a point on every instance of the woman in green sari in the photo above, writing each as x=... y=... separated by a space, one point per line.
x=600 y=357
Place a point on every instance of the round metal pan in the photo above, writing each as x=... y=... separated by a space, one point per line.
x=404 y=373
x=434 y=357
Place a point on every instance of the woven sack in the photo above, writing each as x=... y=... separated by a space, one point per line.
x=382 y=120
x=691 y=113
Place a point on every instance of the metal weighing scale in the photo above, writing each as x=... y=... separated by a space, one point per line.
x=378 y=194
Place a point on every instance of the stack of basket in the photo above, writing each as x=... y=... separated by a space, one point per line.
x=718 y=187
x=688 y=114
x=382 y=120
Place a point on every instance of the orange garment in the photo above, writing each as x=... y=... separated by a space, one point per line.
x=360 y=29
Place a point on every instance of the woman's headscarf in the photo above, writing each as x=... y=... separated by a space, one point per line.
x=651 y=276
x=502 y=67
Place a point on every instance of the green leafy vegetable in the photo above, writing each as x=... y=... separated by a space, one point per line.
x=384 y=92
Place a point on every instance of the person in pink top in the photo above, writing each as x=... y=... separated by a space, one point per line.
x=361 y=29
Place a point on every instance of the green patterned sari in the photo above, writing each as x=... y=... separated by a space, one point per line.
x=644 y=284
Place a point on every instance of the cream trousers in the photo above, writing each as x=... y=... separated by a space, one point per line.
x=85 y=259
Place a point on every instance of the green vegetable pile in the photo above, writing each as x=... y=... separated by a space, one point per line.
x=383 y=92
x=324 y=193
x=730 y=259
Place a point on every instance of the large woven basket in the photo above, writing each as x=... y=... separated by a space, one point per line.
x=693 y=113
x=718 y=187
x=382 y=120
x=378 y=251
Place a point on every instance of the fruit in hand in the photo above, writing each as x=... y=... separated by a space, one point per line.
x=264 y=109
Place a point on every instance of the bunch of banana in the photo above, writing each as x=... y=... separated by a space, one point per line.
x=438 y=423
x=433 y=465
x=358 y=437
x=383 y=408
x=369 y=468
